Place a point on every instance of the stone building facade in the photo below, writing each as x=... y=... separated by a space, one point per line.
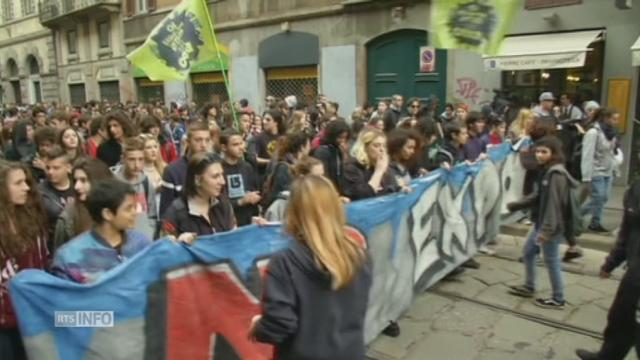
x=28 y=69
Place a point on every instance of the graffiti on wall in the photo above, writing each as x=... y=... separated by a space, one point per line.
x=173 y=301
x=468 y=90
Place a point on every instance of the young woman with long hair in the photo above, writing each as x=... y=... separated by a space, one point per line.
x=119 y=127
x=22 y=244
x=316 y=291
x=75 y=218
x=403 y=146
x=71 y=143
x=154 y=164
x=367 y=174
x=153 y=126
x=549 y=205
x=521 y=126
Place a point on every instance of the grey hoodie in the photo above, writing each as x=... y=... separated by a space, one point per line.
x=147 y=220
x=597 y=154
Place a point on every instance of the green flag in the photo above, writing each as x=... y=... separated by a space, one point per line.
x=184 y=39
x=476 y=25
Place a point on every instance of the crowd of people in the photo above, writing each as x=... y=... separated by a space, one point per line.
x=85 y=188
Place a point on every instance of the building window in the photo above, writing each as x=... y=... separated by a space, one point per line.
x=149 y=91
x=28 y=7
x=209 y=87
x=583 y=83
x=72 y=40
x=7 y=10
x=109 y=91
x=541 y=4
x=103 y=34
x=77 y=94
x=299 y=81
x=141 y=6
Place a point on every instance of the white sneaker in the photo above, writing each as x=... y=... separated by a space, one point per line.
x=486 y=250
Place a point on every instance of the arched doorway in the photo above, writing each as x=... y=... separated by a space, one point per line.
x=14 y=80
x=35 y=88
x=393 y=67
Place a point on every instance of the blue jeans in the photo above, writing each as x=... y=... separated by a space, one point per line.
x=551 y=259
x=600 y=190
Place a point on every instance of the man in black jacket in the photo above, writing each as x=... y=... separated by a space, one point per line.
x=621 y=331
x=57 y=191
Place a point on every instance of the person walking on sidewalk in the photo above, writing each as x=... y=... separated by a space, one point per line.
x=550 y=212
x=621 y=323
x=597 y=164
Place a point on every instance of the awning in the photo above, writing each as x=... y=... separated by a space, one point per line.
x=543 y=51
x=635 y=53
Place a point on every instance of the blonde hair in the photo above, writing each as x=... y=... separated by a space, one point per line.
x=366 y=137
x=159 y=164
x=297 y=122
x=519 y=125
x=315 y=217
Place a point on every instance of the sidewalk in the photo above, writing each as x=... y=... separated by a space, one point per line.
x=475 y=318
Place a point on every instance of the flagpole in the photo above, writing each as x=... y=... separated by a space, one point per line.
x=222 y=68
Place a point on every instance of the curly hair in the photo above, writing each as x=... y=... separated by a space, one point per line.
x=24 y=224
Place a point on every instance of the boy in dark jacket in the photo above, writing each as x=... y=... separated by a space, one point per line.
x=57 y=191
x=451 y=152
x=549 y=210
x=621 y=323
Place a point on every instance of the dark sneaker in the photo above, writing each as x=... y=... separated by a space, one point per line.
x=471 y=264
x=522 y=291
x=570 y=255
x=454 y=273
x=597 y=229
x=549 y=304
x=392 y=330
x=587 y=355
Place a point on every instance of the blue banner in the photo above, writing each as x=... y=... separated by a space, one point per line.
x=174 y=301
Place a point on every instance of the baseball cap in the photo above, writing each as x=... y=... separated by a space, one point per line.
x=547 y=96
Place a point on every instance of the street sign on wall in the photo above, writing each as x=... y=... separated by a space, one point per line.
x=427 y=59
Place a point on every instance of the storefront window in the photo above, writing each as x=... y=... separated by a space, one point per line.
x=585 y=83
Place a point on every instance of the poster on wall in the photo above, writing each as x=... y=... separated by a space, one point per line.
x=427 y=59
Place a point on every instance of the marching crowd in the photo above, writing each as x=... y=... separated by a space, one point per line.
x=85 y=188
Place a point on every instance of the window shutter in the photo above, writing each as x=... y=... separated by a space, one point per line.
x=130 y=7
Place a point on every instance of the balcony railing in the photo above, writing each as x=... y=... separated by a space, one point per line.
x=55 y=9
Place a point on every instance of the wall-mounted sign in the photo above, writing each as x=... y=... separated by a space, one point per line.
x=427 y=59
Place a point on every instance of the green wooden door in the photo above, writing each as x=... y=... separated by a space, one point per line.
x=393 y=67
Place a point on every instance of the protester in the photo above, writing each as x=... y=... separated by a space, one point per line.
x=305 y=166
x=521 y=126
x=381 y=109
x=119 y=128
x=44 y=138
x=203 y=209
x=22 y=147
x=448 y=114
x=316 y=291
x=392 y=116
x=112 y=206
x=75 y=218
x=498 y=132
x=403 y=146
x=241 y=177
x=198 y=141
x=291 y=148
x=367 y=173
x=23 y=243
x=549 y=206
x=151 y=125
x=333 y=151
x=597 y=164
x=451 y=152
x=154 y=164
x=57 y=191
x=97 y=135
x=131 y=171
x=70 y=142
x=545 y=106
x=476 y=146
x=428 y=129
x=621 y=323
x=266 y=142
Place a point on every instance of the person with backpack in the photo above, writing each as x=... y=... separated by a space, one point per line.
x=598 y=163
x=553 y=216
x=621 y=322
x=131 y=171
x=290 y=149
